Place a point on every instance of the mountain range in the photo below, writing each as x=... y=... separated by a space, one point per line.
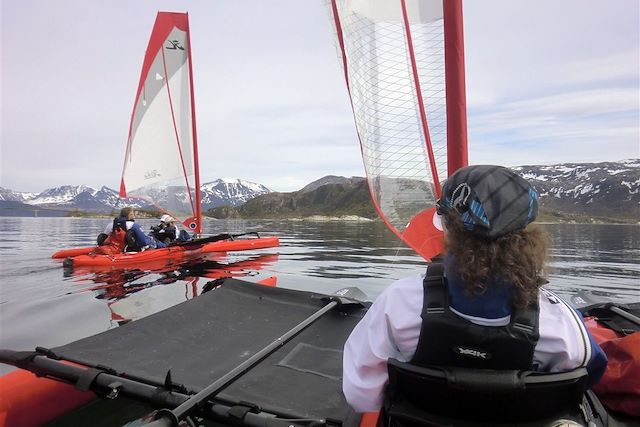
x=67 y=198
x=608 y=191
x=604 y=192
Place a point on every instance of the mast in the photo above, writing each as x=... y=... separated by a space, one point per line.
x=198 y=218
x=455 y=86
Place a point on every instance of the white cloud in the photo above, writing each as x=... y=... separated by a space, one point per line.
x=270 y=97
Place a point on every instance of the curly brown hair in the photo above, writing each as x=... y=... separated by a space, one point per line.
x=518 y=258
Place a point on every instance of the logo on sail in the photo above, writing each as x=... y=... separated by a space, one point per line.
x=151 y=174
x=174 y=45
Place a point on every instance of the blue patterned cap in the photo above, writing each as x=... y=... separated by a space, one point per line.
x=492 y=200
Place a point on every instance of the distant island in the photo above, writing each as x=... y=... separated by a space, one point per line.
x=607 y=192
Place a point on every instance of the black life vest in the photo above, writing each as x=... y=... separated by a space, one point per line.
x=467 y=374
x=446 y=339
x=162 y=232
x=115 y=242
x=128 y=237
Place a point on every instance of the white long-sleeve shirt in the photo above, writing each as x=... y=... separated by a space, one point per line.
x=391 y=328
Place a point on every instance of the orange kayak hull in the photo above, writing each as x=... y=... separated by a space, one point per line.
x=83 y=257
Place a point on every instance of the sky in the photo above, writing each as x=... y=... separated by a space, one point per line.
x=547 y=82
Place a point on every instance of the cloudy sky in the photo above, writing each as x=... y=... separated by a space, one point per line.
x=548 y=81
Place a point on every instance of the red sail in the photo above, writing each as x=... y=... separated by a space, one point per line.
x=161 y=161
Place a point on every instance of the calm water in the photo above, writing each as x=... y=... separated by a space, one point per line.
x=43 y=304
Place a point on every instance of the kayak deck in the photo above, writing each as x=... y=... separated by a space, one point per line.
x=203 y=339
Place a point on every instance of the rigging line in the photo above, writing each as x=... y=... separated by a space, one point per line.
x=175 y=128
x=423 y=114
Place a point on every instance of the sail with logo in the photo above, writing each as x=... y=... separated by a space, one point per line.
x=161 y=160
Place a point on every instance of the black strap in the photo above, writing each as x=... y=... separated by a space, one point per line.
x=436 y=296
x=240 y=410
x=526 y=320
x=87 y=378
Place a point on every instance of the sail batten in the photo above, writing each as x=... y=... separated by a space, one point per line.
x=161 y=164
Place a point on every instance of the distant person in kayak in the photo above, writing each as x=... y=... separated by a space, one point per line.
x=166 y=231
x=125 y=235
x=488 y=285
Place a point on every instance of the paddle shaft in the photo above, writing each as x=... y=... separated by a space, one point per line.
x=216 y=238
x=214 y=388
x=625 y=314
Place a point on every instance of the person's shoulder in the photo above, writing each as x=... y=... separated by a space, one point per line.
x=562 y=327
x=408 y=282
x=555 y=311
x=551 y=301
x=404 y=289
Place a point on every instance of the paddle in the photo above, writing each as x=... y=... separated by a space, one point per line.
x=584 y=302
x=624 y=314
x=215 y=238
x=341 y=298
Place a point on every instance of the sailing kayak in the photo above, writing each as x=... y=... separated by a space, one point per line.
x=83 y=256
x=299 y=377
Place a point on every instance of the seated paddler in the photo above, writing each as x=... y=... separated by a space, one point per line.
x=125 y=235
x=491 y=274
x=166 y=231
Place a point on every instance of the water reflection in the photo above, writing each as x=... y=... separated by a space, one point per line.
x=40 y=304
x=117 y=284
x=601 y=259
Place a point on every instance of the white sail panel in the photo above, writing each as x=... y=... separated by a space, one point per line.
x=393 y=53
x=161 y=159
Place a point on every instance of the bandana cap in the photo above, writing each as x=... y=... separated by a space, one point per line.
x=492 y=200
x=166 y=219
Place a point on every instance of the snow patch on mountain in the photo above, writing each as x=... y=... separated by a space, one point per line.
x=608 y=189
x=230 y=192
x=15 y=196
x=61 y=195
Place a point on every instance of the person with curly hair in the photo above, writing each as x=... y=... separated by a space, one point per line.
x=488 y=284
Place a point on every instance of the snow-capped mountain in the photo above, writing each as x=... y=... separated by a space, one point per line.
x=608 y=189
x=608 y=192
x=62 y=195
x=604 y=190
x=229 y=191
x=220 y=192
x=15 y=196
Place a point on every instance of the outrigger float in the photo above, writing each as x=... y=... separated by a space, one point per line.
x=84 y=257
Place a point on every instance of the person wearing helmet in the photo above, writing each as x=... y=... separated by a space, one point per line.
x=490 y=277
